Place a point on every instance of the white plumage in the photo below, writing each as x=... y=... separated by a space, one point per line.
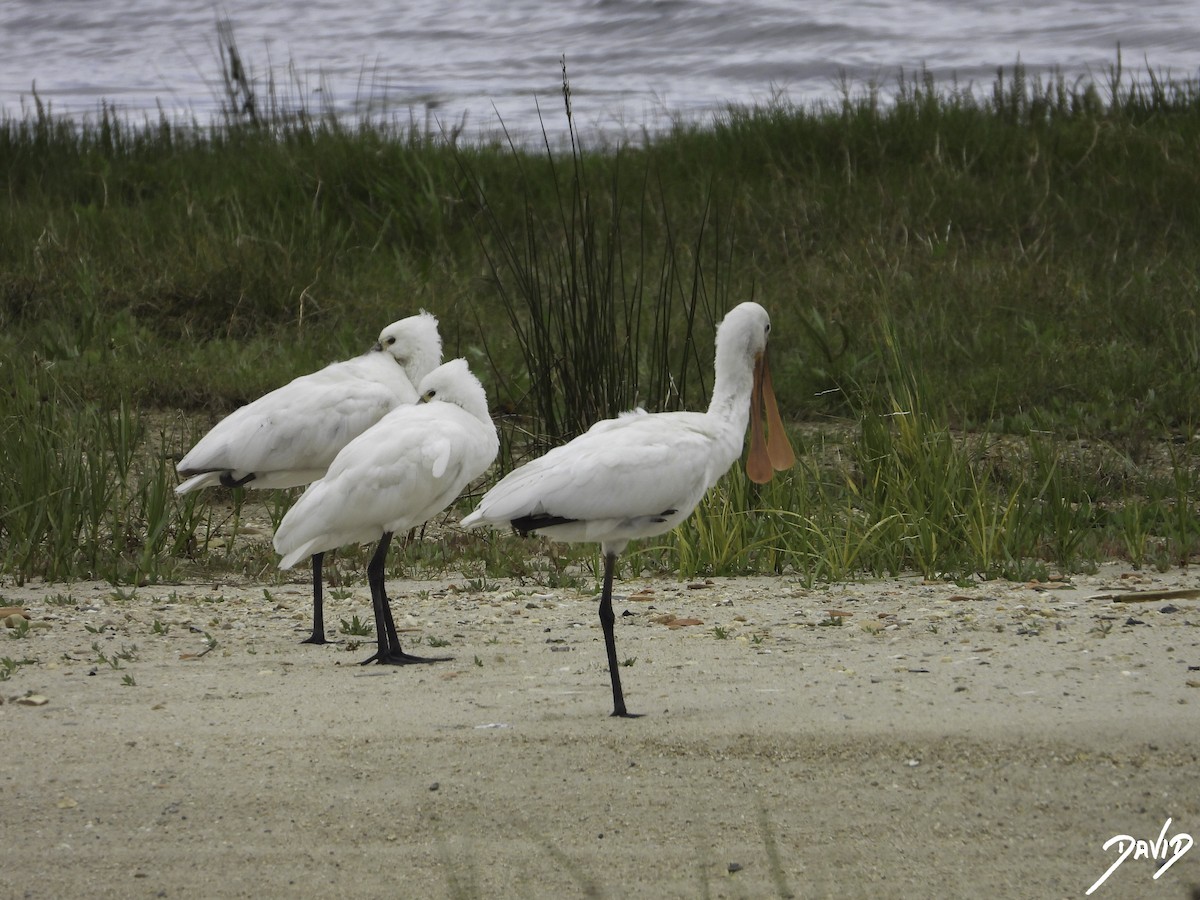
x=642 y=474
x=394 y=476
x=288 y=437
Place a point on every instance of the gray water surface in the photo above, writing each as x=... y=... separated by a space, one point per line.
x=632 y=64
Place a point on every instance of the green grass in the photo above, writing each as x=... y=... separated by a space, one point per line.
x=985 y=328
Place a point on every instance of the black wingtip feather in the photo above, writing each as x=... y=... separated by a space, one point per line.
x=526 y=524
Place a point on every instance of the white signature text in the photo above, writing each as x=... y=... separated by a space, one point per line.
x=1165 y=848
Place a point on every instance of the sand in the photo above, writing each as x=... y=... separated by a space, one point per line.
x=941 y=741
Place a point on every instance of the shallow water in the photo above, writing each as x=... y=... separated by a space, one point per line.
x=632 y=63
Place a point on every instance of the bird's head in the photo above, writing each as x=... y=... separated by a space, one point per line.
x=453 y=382
x=414 y=343
x=748 y=327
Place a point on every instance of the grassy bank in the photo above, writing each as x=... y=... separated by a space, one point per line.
x=1020 y=266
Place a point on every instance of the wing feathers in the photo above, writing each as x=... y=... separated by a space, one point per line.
x=303 y=424
x=396 y=475
x=635 y=466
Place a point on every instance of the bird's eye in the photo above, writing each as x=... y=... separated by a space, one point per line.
x=390 y=341
x=768 y=328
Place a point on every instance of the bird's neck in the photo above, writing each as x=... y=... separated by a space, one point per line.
x=731 y=391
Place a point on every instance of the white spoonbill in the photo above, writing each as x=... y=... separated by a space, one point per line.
x=641 y=474
x=395 y=476
x=288 y=437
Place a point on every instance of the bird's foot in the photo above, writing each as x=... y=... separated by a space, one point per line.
x=624 y=714
x=315 y=638
x=400 y=658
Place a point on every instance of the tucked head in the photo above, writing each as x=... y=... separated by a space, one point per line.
x=414 y=342
x=453 y=382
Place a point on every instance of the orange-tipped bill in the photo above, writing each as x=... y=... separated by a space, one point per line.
x=769 y=453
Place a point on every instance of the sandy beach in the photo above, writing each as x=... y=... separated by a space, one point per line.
x=893 y=738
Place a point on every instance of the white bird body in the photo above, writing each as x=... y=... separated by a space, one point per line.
x=290 y=436
x=641 y=474
x=394 y=476
x=663 y=463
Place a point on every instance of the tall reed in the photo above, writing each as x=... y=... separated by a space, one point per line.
x=602 y=294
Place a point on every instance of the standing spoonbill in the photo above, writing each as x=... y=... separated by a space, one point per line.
x=641 y=474
x=288 y=437
x=395 y=476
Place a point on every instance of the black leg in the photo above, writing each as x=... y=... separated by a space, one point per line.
x=389 y=624
x=318 y=631
x=379 y=601
x=607 y=620
x=388 y=652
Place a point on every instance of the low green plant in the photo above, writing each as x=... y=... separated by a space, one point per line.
x=357 y=627
x=9 y=666
x=1133 y=521
x=1103 y=627
x=104 y=659
x=210 y=642
x=22 y=629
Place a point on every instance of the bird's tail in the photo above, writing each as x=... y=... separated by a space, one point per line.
x=203 y=480
x=292 y=557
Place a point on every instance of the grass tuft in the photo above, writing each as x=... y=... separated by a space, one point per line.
x=983 y=303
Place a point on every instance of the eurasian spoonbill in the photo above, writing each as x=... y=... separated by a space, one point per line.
x=288 y=437
x=395 y=476
x=641 y=474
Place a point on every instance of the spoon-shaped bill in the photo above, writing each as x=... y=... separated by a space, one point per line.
x=772 y=454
